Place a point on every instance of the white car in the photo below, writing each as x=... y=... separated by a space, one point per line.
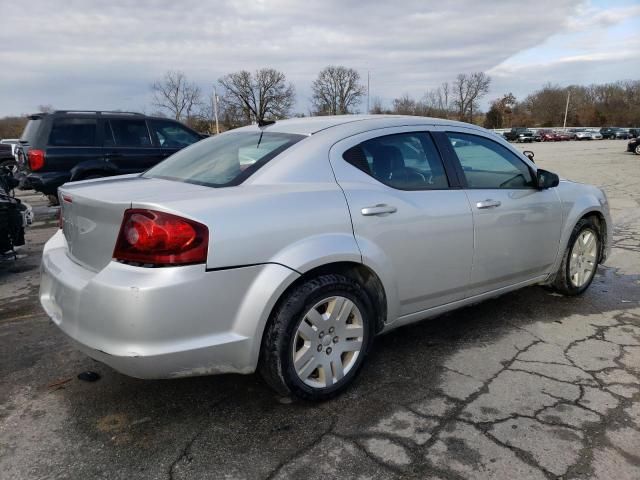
x=287 y=247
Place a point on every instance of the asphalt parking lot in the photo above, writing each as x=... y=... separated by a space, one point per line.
x=529 y=385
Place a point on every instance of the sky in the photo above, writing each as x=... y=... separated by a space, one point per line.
x=88 y=55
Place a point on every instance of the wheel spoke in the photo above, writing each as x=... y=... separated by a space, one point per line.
x=327 y=374
x=302 y=357
x=352 y=330
x=306 y=331
x=590 y=242
x=307 y=369
x=350 y=346
x=315 y=318
x=338 y=370
x=341 y=309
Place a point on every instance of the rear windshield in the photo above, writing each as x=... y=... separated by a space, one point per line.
x=223 y=160
x=30 y=131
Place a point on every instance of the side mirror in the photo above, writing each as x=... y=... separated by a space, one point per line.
x=529 y=154
x=545 y=179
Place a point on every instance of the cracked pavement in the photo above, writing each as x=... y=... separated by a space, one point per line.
x=528 y=385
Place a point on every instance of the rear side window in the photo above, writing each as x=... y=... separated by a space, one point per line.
x=224 y=160
x=172 y=134
x=130 y=133
x=30 y=130
x=73 y=132
x=406 y=161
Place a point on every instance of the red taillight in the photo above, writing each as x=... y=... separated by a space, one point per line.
x=36 y=159
x=158 y=238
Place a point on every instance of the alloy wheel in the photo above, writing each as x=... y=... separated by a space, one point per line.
x=584 y=256
x=327 y=342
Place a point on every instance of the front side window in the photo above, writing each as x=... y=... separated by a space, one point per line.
x=487 y=164
x=223 y=160
x=73 y=132
x=130 y=133
x=406 y=161
x=172 y=134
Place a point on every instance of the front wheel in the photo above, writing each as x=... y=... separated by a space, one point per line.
x=637 y=149
x=580 y=260
x=317 y=338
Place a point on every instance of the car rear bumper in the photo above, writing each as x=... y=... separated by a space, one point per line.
x=47 y=182
x=161 y=322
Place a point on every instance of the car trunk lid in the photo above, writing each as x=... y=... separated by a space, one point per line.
x=92 y=212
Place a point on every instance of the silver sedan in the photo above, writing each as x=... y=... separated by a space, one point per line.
x=285 y=248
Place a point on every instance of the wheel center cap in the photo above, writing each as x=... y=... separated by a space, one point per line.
x=326 y=341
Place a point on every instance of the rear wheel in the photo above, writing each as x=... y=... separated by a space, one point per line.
x=317 y=339
x=580 y=260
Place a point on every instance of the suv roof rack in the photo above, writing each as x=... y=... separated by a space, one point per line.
x=99 y=112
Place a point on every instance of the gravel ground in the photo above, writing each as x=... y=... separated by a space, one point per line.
x=529 y=385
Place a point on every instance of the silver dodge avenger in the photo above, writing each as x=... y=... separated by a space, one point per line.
x=286 y=247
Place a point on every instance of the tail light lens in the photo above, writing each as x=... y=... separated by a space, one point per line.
x=159 y=239
x=36 y=159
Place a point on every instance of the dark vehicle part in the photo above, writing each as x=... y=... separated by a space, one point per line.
x=519 y=134
x=14 y=214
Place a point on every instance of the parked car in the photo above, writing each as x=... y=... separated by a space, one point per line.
x=634 y=145
x=75 y=145
x=614 y=133
x=562 y=136
x=548 y=136
x=519 y=134
x=634 y=132
x=584 y=134
x=341 y=228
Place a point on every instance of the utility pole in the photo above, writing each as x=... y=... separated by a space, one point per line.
x=214 y=104
x=566 y=109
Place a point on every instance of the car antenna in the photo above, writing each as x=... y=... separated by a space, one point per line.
x=261 y=124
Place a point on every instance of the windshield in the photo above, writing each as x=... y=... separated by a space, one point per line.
x=223 y=160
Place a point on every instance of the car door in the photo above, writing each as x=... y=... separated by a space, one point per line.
x=128 y=145
x=517 y=226
x=172 y=136
x=410 y=221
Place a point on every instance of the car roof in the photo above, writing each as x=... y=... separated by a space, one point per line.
x=313 y=125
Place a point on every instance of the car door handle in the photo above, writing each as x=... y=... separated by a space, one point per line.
x=488 y=203
x=380 y=209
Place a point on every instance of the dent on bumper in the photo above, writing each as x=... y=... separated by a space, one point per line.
x=163 y=322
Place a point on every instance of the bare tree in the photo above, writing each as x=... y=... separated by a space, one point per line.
x=261 y=96
x=468 y=90
x=337 y=91
x=176 y=94
x=45 y=108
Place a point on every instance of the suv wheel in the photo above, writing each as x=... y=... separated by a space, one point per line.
x=580 y=260
x=317 y=338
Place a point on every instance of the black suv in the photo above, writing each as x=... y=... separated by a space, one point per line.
x=614 y=133
x=66 y=146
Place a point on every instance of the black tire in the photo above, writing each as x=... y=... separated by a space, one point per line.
x=562 y=282
x=276 y=362
x=637 y=149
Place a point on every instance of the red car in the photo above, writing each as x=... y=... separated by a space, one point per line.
x=548 y=136
x=562 y=136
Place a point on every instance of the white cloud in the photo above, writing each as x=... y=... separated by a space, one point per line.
x=84 y=54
